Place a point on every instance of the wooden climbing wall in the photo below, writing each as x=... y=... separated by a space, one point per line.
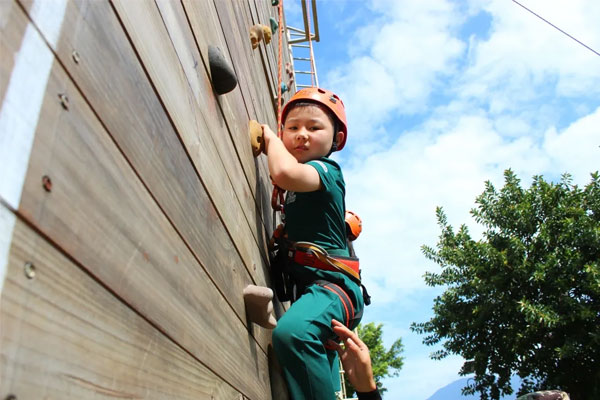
x=132 y=213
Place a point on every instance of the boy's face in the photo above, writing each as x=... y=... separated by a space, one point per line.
x=308 y=133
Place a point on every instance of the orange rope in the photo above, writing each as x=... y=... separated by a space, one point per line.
x=279 y=69
x=277 y=196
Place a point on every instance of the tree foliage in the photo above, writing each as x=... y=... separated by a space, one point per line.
x=524 y=299
x=384 y=362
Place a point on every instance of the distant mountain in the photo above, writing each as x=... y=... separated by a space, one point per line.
x=452 y=391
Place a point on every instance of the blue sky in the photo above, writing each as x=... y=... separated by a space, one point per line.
x=442 y=96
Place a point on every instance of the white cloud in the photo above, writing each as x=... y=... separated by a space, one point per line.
x=524 y=58
x=577 y=149
x=397 y=61
x=520 y=96
x=396 y=191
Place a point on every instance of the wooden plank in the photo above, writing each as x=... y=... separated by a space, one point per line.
x=117 y=88
x=259 y=15
x=183 y=41
x=207 y=30
x=231 y=104
x=245 y=59
x=238 y=42
x=11 y=36
x=100 y=214
x=213 y=154
x=65 y=336
x=204 y=134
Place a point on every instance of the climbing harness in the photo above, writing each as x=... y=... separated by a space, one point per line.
x=286 y=255
x=311 y=255
x=349 y=309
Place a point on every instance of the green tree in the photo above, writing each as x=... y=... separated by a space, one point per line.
x=384 y=362
x=524 y=299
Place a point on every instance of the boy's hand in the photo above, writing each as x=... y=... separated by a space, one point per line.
x=355 y=358
x=268 y=134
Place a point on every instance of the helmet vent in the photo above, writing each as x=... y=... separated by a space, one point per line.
x=332 y=99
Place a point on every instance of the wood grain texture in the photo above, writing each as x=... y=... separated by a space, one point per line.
x=197 y=120
x=252 y=80
x=128 y=107
x=11 y=36
x=192 y=53
x=238 y=42
x=250 y=12
x=155 y=192
x=207 y=30
x=65 y=336
x=101 y=214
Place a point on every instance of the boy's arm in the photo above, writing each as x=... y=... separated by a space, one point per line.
x=285 y=170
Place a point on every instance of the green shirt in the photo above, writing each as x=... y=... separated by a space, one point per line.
x=318 y=217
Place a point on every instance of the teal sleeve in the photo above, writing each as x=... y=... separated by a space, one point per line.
x=329 y=173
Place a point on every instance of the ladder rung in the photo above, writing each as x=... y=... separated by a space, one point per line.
x=304 y=72
x=301 y=58
x=303 y=86
x=300 y=45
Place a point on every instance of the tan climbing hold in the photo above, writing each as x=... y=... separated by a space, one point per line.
x=259 y=306
x=260 y=32
x=256 y=137
x=267 y=34
x=256 y=35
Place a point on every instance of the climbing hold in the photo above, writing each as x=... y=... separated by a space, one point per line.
x=222 y=74
x=274 y=2
x=274 y=24
x=256 y=137
x=284 y=88
x=256 y=35
x=267 y=34
x=259 y=306
x=290 y=73
x=260 y=32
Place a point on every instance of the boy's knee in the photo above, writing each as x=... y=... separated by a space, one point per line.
x=290 y=334
x=283 y=334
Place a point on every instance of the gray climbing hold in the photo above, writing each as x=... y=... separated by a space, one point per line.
x=222 y=74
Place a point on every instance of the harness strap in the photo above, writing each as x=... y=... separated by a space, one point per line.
x=309 y=254
x=346 y=302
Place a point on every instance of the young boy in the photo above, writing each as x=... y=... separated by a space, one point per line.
x=314 y=125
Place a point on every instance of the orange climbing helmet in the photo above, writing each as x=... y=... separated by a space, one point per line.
x=354 y=225
x=326 y=98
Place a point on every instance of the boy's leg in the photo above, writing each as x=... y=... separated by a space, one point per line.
x=298 y=342
x=334 y=365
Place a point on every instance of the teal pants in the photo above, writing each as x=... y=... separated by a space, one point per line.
x=311 y=371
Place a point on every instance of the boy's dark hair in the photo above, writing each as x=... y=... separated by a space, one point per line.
x=332 y=117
